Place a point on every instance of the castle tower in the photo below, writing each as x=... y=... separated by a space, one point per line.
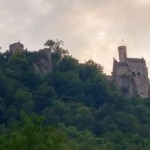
x=16 y=47
x=122 y=53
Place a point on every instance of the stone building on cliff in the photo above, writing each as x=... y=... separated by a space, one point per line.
x=16 y=47
x=41 y=60
x=130 y=75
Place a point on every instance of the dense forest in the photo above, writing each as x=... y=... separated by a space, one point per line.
x=72 y=107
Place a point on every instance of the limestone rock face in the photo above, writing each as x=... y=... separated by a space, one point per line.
x=43 y=64
x=127 y=85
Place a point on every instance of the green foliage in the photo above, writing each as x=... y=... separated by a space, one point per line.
x=68 y=63
x=57 y=50
x=89 y=70
x=31 y=134
x=82 y=110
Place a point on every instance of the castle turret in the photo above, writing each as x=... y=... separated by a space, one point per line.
x=16 y=47
x=122 y=53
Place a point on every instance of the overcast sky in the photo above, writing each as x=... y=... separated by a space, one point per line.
x=90 y=29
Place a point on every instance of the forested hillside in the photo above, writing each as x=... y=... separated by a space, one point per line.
x=72 y=107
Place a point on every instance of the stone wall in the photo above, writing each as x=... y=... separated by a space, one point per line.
x=130 y=75
x=16 y=47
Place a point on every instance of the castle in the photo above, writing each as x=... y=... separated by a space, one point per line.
x=130 y=75
x=16 y=47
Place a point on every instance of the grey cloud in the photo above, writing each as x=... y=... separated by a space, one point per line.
x=89 y=28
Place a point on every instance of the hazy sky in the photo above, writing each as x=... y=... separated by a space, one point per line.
x=90 y=29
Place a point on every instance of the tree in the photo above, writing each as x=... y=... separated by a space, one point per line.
x=56 y=46
x=23 y=100
x=31 y=134
x=68 y=63
x=57 y=50
x=89 y=70
x=50 y=44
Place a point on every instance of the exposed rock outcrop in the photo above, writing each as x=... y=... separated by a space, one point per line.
x=42 y=63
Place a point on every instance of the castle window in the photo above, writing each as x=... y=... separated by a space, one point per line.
x=133 y=74
x=138 y=74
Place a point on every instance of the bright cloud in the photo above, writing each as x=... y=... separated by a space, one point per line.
x=90 y=29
